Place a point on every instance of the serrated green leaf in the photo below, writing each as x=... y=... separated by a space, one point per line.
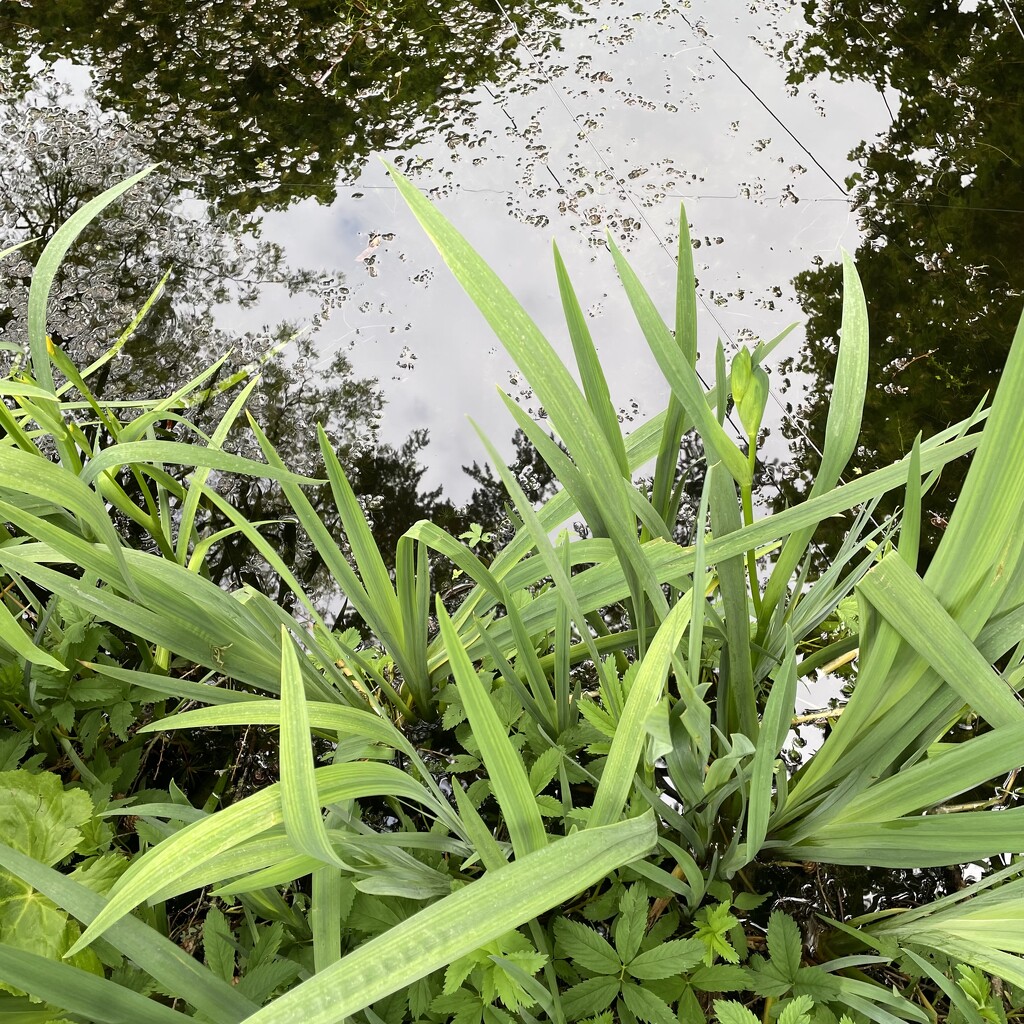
x=785 y=945
x=598 y=718
x=645 y=1005
x=544 y=769
x=720 y=978
x=767 y=978
x=667 y=959
x=728 y=1011
x=797 y=1011
x=218 y=950
x=589 y=997
x=585 y=947
x=816 y=983
x=631 y=922
x=713 y=927
x=549 y=806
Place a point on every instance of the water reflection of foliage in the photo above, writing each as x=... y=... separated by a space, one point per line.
x=268 y=102
x=55 y=154
x=941 y=200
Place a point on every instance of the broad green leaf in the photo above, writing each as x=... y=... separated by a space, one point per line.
x=41 y=818
x=463 y=922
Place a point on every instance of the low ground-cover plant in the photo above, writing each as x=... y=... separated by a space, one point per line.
x=555 y=798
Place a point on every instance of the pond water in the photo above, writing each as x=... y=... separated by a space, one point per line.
x=789 y=134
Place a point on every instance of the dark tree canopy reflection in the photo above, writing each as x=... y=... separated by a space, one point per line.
x=265 y=102
x=940 y=196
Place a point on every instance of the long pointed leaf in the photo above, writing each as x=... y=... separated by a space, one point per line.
x=460 y=923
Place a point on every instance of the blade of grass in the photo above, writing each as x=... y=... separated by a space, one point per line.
x=505 y=768
x=550 y=380
x=203 y=840
x=460 y=923
x=161 y=959
x=778 y=713
x=663 y=496
x=552 y=560
x=630 y=733
x=679 y=372
x=80 y=992
x=842 y=428
x=901 y=597
x=300 y=801
x=46 y=269
x=737 y=706
x=595 y=387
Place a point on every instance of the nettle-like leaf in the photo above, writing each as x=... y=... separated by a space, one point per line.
x=645 y=1005
x=590 y=997
x=797 y=1011
x=585 y=947
x=785 y=945
x=728 y=1011
x=632 y=921
x=667 y=960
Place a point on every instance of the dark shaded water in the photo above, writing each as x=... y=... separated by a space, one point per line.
x=526 y=122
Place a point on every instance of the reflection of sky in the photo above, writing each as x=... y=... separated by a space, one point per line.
x=658 y=118
x=638 y=111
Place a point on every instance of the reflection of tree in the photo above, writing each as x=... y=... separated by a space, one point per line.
x=266 y=102
x=941 y=199
x=54 y=159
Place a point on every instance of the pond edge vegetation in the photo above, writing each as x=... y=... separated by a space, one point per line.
x=584 y=842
